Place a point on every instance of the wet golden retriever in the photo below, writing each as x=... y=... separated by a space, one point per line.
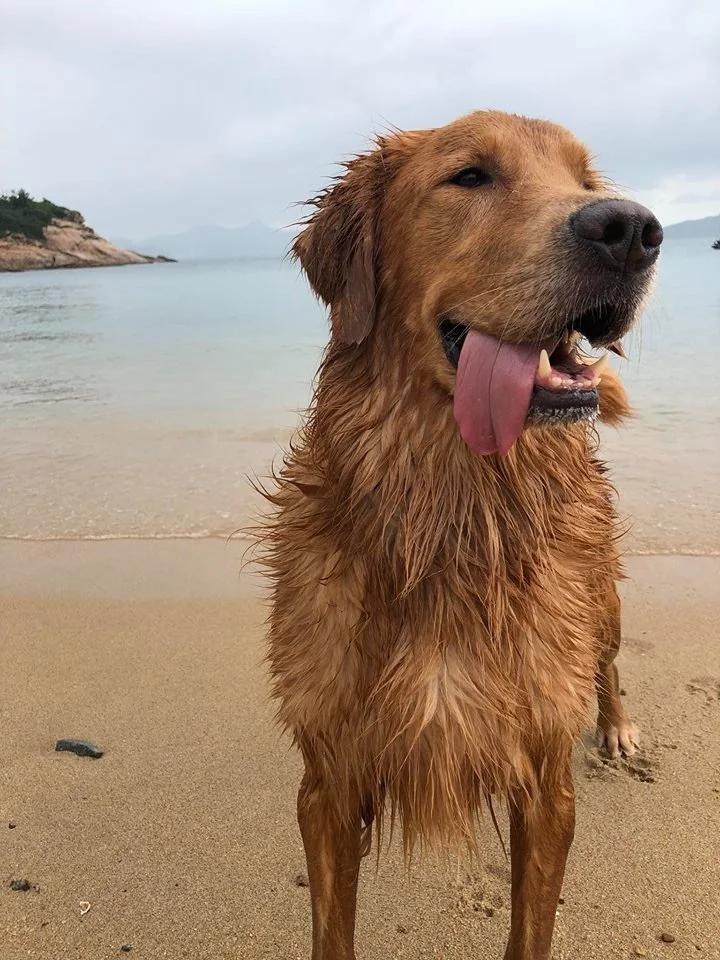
x=443 y=543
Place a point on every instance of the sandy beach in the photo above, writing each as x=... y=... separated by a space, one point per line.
x=182 y=837
x=441 y=279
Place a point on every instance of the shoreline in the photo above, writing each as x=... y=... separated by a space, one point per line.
x=147 y=261
x=228 y=539
x=180 y=482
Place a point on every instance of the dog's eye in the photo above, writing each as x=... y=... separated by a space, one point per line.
x=471 y=177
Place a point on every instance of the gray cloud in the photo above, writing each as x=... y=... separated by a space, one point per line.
x=152 y=115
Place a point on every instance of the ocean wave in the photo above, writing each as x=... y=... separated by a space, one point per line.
x=239 y=536
x=135 y=535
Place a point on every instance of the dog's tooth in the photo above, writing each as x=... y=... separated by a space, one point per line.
x=556 y=381
x=599 y=365
x=544 y=369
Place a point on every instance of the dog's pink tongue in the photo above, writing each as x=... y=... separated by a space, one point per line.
x=493 y=389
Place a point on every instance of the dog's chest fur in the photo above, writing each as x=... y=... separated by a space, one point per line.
x=433 y=631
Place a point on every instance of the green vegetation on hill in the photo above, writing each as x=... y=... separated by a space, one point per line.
x=23 y=216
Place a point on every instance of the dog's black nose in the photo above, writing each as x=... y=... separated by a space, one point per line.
x=625 y=235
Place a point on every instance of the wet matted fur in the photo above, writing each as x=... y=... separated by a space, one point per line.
x=439 y=618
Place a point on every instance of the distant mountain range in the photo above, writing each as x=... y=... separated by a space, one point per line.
x=256 y=241
x=706 y=229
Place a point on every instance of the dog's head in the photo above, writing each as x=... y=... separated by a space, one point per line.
x=487 y=250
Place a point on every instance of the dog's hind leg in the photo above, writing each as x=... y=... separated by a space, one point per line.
x=542 y=827
x=616 y=733
x=332 y=835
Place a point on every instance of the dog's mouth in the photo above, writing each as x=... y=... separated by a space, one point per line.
x=566 y=383
x=501 y=387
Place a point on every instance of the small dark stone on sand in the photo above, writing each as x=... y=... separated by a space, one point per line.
x=23 y=885
x=401 y=928
x=301 y=880
x=561 y=901
x=126 y=948
x=12 y=825
x=83 y=748
x=623 y=692
x=667 y=938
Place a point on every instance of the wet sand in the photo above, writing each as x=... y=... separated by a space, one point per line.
x=182 y=837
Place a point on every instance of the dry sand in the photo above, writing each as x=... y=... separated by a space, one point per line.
x=182 y=837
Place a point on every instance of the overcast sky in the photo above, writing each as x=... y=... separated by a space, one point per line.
x=152 y=116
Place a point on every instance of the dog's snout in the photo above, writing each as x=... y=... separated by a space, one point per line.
x=625 y=235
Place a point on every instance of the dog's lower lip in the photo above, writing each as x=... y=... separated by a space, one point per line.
x=544 y=399
x=574 y=406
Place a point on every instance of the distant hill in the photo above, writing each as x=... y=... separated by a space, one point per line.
x=41 y=235
x=256 y=241
x=706 y=229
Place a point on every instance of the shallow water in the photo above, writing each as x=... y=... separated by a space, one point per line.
x=135 y=401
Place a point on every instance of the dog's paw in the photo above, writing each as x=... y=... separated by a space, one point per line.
x=614 y=740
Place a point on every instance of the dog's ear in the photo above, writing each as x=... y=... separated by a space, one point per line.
x=337 y=247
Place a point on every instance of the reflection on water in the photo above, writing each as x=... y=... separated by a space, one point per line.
x=61 y=336
x=46 y=391
x=42 y=330
x=136 y=401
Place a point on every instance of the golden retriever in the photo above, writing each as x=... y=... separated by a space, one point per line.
x=443 y=540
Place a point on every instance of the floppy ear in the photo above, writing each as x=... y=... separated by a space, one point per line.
x=337 y=248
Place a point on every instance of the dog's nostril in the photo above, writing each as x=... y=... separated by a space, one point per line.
x=614 y=232
x=652 y=235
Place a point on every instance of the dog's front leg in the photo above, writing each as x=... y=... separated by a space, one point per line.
x=332 y=836
x=616 y=733
x=541 y=832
